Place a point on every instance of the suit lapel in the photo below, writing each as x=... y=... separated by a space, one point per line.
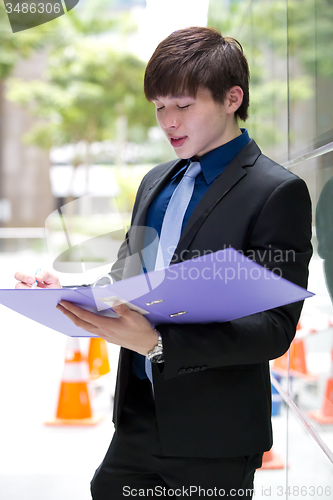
x=223 y=184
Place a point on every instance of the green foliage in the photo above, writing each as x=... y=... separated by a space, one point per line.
x=265 y=24
x=14 y=47
x=87 y=84
x=289 y=46
x=310 y=31
x=90 y=18
x=93 y=19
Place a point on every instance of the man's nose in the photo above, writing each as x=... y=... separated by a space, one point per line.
x=170 y=120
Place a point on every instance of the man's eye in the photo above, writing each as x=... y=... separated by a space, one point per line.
x=183 y=107
x=159 y=109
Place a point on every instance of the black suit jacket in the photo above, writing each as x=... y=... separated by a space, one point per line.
x=213 y=392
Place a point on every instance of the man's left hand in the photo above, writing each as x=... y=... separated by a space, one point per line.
x=131 y=330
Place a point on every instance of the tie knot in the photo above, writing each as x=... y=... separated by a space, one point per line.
x=193 y=169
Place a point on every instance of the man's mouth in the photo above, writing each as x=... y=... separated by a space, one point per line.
x=176 y=142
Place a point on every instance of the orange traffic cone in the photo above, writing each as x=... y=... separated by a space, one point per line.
x=297 y=361
x=74 y=404
x=271 y=460
x=325 y=414
x=98 y=360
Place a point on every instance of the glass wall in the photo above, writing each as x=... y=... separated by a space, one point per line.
x=289 y=45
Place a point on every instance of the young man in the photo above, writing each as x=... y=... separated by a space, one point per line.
x=201 y=428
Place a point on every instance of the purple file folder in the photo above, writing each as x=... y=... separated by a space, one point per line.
x=217 y=287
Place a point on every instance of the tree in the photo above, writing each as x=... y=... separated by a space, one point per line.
x=88 y=87
x=94 y=18
x=18 y=46
x=13 y=48
x=91 y=92
x=281 y=40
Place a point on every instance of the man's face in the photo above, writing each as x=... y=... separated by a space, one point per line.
x=196 y=125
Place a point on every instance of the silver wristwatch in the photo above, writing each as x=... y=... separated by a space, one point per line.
x=156 y=354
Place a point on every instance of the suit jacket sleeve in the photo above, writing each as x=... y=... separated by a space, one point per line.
x=280 y=240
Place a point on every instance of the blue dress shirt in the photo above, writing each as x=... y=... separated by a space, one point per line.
x=212 y=165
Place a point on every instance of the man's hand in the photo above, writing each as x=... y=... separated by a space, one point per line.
x=131 y=330
x=44 y=278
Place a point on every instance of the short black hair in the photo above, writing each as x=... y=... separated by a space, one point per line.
x=198 y=57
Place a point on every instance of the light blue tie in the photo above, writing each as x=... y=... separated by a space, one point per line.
x=174 y=216
x=172 y=224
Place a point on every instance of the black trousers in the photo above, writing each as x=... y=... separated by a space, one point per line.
x=134 y=464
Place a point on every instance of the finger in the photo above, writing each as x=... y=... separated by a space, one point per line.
x=25 y=278
x=44 y=279
x=76 y=320
x=22 y=286
x=121 y=309
x=87 y=316
x=47 y=278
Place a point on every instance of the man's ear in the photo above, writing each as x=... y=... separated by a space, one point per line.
x=234 y=99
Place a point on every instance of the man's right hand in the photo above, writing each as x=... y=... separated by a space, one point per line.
x=44 y=278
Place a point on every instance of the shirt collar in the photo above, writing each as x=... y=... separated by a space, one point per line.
x=214 y=162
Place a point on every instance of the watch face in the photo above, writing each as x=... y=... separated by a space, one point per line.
x=157 y=358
